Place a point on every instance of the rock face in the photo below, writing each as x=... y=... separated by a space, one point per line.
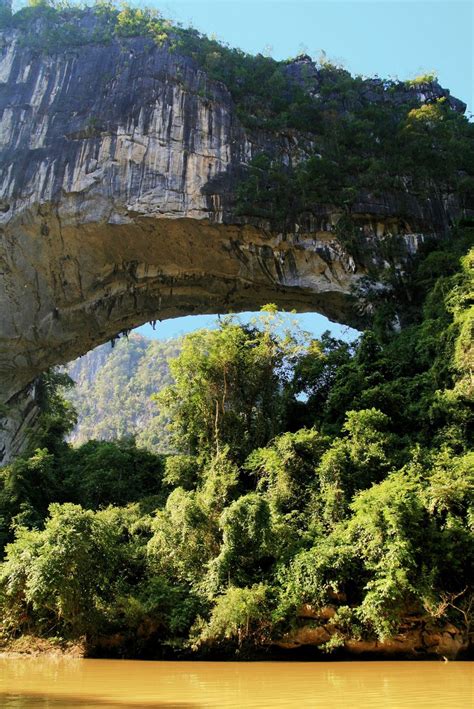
x=417 y=637
x=118 y=167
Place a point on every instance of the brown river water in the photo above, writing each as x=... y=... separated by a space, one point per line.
x=98 y=684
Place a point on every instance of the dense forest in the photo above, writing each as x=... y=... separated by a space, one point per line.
x=113 y=388
x=306 y=474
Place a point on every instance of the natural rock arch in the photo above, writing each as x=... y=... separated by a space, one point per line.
x=117 y=207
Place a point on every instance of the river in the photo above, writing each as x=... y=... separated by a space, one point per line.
x=46 y=683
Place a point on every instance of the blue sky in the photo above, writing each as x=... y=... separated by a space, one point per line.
x=383 y=37
x=310 y=322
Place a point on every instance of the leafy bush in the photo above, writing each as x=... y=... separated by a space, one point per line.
x=241 y=615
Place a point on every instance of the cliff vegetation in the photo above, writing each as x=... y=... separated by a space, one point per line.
x=113 y=389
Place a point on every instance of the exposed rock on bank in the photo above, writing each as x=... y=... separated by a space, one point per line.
x=418 y=638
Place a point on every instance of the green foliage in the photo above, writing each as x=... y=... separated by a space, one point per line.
x=241 y=615
x=227 y=390
x=315 y=576
x=181 y=471
x=427 y=78
x=27 y=488
x=407 y=148
x=95 y=475
x=220 y=481
x=286 y=468
x=133 y=22
x=246 y=534
x=388 y=528
x=183 y=524
x=113 y=389
x=58 y=416
x=52 y=27
x=100 y=473
x=362 y=456
x=333 y=475
x=60 y=573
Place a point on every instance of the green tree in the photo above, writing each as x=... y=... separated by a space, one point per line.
x=60 y=575
x=27 y=487
x=246 y=550
x=241 y=615
x=286 y=468
x=57 y=416
x=228 y=390
x=184 y=538
x=100 y=473
x=362 y=457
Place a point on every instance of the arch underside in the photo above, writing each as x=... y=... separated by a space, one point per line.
x=69 y=287
x=77 y=286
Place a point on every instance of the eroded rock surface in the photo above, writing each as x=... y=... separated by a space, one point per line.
x=118 y=168
x=417 y=637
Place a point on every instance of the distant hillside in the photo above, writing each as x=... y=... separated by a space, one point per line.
x=113 y=390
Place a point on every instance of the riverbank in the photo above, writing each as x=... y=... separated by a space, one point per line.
x=33 y=646
x=308 y=642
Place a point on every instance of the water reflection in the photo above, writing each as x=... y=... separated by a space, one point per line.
x=97 y=684
x=11 y=701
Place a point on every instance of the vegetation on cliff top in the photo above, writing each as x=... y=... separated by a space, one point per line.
x=306 y=472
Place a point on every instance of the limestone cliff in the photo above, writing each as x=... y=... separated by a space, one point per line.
x=118 y=169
